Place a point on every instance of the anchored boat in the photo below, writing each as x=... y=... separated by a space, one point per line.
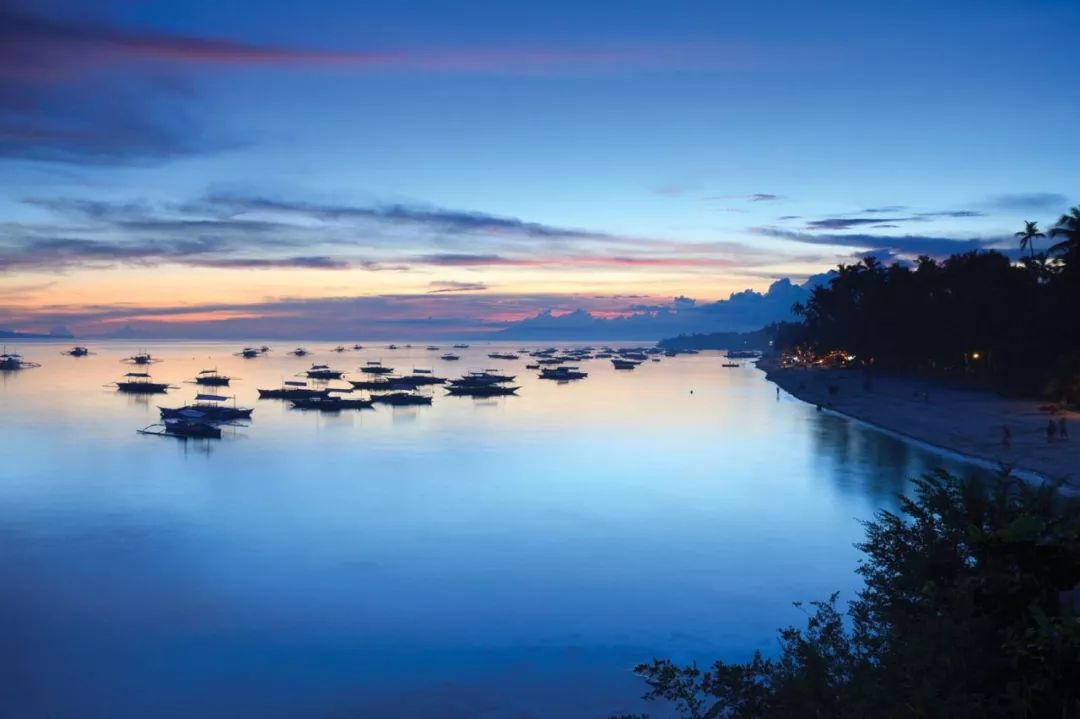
x=141 y=383
x=208 y=408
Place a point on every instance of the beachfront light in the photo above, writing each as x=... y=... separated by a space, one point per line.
x=975 y=355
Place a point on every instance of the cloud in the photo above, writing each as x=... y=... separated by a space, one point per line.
x=763 y=197
x=451 y=286
x=909 y=245
x=844 y=222
x=1047 y=201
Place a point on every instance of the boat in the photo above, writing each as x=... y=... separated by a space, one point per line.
x=461 y=347
x=502 y=356
x=532 y=366
x=481 y=390
x=212 y=378
x=624 y=363
x=264 y=349
x=300 y=352
x=77 y=352
x=248 y=353
x=321 y=371
x=376 y=367
x=422 y=377
x=432 y=348
x=562 y=373
x=731 y=364
x=358 y=347
x=399 y=399
x=632 y=355
x=372 y=385
x=391 y=347
x=141 y=358
x=293 y=390
x=183 y=428
x=140 y=383
x=331 y=404
x=449 y=357
x=207 y=408
x=12 y=362
x=484 y=378
x=339 y=348
x=742 y=354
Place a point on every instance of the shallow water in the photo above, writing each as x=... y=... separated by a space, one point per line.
x=474 y=558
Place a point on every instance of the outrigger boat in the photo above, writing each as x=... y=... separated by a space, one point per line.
x=248 y=353
x=461 y=347
x=141 y=358
x=485 y=378
x=372 y=385
x=183 y=428
x=339 y=348
x=140 y=383
x=421 y=377
x=450 y=357
x=321 y=371
x=502 y=356
x=433 y=348
x=300 y=352
x=212 y=378
x=481 y=390
x=332 y=404
x=358 y=347
x=207 y=408
x=77 y=351
x=399 y=399
x=731 y=364
x=293 y=390
x=376 y=367
x=12 y=362
x=562 y=374
x=624 y=363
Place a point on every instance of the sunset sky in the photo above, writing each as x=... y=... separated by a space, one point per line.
x=412 y=167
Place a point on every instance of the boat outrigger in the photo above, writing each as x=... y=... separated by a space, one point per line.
x=207 y=408
x=141 y=383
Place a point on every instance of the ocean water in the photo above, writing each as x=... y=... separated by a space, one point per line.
x=496 y=558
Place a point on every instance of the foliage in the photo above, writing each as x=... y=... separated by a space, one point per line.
x=962 y=615
x=976 y=314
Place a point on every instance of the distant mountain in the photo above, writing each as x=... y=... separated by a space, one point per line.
x=54 y=333
x=742 y=312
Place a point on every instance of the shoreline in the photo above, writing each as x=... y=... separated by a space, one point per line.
x=966 y=423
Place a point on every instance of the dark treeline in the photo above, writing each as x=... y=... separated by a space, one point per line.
x=756 y=340
x=1015 y=326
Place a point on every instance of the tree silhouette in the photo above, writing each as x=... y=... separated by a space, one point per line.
x=1028 y=235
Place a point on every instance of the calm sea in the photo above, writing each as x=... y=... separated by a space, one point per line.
x=472 y=558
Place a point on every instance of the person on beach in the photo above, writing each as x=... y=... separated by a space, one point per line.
x=1006 y=435
x=1051 y=430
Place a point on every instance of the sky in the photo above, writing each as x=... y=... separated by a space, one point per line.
x=398 y=169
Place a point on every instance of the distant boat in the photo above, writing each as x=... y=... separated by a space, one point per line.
x=503 y=356
x=372 y=385
x=481 y=390
x=207 y=408
x=300 y=352
x=391 y=347
x=140 y=383
x=624 y=363
x=358 y=347
x=293 y=390
x=331 y=404
x=248 y=353
x=77 y=352
x=731 y=364
x=484 y=378
x=461 y=347
x=264 y=349
x=742 y=354
x=339 y=348
x=376 y=367
x=183 y=428
x=432 y=348
x=212 y=378
x=399 y=399
x=141 y=358
x=562 y=373
x=450 y=357
x=321 y=371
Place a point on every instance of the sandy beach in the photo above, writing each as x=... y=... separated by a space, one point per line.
x=966 y=422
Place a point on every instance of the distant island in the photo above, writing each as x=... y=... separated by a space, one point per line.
x=760 y=340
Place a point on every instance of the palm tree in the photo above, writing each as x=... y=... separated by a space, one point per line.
x=1068 y=226
x=1027 y=237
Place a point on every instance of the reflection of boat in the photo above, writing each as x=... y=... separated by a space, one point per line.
x=331 y=404
x=481 y=390
x=207 y=408
x=376 y=367
x=449 y=357
x=624 y=364
x=183 y=427
x=292 y=390
x=212 y=378
x=321 y=371
x=399 y=399
x=562 y=373
x=12 y=361
x=140 y=383
x=77 y=352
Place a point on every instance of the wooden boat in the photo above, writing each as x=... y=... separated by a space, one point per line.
x=461 y=347
x=563 y=374
x=248 y=353
x=77 y=351
x=502 y=356
x=377 y=384
x=212 y=378
x=450 y=357
x=293 y=390
x=624 y=364
x=183 y=428
x=391 y=347
x=140 y=383
x=484 y=378
x=400 y=399
x=339 y=348
x=358 y=347
x=481 y=390
x=12 y=362
x=300 y=352
x=142 y=358
x=432 y=348
x=731 y=364
x=207 y=408
x=321 y=371
x=332 y=404
x=376 y=367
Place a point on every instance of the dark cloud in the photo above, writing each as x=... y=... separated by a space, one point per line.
x=466 y=260
x=844 y=222
x=884 y=209
x=910 y=245
x=1034 y=201
x=763 y=197
x=451 y=286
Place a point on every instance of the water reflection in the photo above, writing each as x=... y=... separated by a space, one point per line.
x=469 y=558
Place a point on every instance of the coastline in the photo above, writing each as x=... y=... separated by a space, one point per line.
x=967 y=423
